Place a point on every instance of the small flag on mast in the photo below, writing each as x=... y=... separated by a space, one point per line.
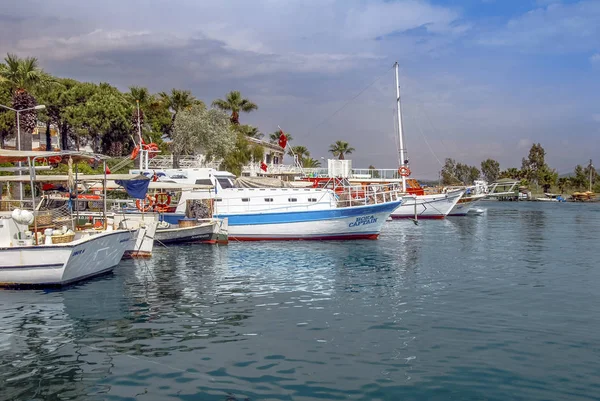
x=282 y=139
x=263 y=166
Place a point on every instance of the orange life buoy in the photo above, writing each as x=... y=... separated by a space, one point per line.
x=135 y=153
x=162 y=200
x=144 y=205
x=404 y=171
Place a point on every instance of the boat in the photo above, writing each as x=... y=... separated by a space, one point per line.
x=22 y=263
x=198 y=231
x=473 y=195
x=35 y=252
x=272 y=209
x=551 y=198
x=418 y=204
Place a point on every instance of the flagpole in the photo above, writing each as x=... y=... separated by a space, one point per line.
x=297 y=162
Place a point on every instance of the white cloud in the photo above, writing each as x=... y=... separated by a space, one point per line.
x=555 y=28
x=595 y=59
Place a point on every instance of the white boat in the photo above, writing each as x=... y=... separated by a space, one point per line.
x=142 y=244
x=465 y=204
x=202 y=231
x=551 y=198
x=419 y=205
x=57 y=264
x=436 y=206
x=47 y=255
x=281 y=213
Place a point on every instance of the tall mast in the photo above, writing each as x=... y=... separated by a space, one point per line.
x=401 y=151
x=142 y=161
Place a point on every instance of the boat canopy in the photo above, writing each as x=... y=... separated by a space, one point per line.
x=13 y=156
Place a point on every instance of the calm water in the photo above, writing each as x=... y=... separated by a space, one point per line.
x=501 y=306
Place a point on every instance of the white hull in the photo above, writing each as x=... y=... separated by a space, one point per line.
x=60 y=264
x=208 y=232
x=465 y=204
x=361 y=225
x=142 y=244
x=427 y=206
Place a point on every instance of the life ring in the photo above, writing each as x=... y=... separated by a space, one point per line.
x=152 y=149
x=145 y=205
x=162 y=201
x=404 y=171
x=135 y=153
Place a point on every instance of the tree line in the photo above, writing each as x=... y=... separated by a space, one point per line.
x=108 y=120
x=534 y=172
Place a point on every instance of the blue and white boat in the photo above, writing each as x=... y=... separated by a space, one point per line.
x=287 y=212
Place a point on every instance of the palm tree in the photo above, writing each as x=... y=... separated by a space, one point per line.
x=234 y=102
x=301 y=153
x=309 y=162
x=176 y=101
x=340 y=149
x=138 y=95
x=274 y=137
x=22 y=76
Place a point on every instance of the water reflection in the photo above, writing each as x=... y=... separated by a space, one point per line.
x=439 y=305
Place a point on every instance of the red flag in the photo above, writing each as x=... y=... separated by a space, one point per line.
x=282 y=139
x=263 y=166
x=107 y=171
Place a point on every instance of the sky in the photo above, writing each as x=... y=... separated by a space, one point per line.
x=478 y=78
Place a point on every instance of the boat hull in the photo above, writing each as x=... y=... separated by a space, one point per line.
x=61 y=264
x=427 y=206
x=209 y=232
x=356 y=222
x=142 y=244
x=464 y=205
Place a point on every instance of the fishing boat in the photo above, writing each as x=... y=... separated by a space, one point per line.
x=551 y=198
x=418 y=205
x=197 y=231
x=32 y=253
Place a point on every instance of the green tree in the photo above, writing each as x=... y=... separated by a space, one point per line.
x=534 y=167
x=235 y=103
x=22 y=75
x=300 y=151
x=250 y=131
x=449 y=176
x=490 y=169
x=580 y=178
x=198 y=130
x=309 y=162
x=138 y=96
x=340 y=149
x=511 y=172
x=243 y=153
x=175 y=102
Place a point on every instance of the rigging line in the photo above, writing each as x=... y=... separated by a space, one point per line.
x=416 y=120
x=350 y=101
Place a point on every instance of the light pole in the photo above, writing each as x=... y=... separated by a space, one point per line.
x=38 y=107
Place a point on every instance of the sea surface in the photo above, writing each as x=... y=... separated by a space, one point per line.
x=501 y=306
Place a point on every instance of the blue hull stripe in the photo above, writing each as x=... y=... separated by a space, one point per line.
x=297 y=217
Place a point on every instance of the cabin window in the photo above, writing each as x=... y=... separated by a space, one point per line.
x=268 y=199
x=204 y=181
x=225 y=182
x=292 y=199
x=218 y=200
x=245 y=199
x=312 y=199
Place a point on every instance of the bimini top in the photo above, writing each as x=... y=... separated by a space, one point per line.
x=12 y=156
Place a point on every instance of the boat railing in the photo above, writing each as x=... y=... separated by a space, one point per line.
x=360 y=195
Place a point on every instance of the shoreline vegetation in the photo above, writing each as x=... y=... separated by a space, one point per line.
x=108 y=121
